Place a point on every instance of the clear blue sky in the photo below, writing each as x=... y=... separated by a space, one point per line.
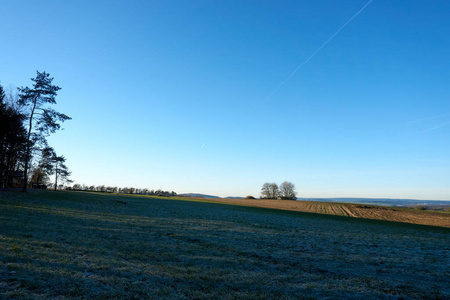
x=186 y=95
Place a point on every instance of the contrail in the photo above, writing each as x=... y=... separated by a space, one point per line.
x=320 y=48
x=436 y=127
x=429 y=118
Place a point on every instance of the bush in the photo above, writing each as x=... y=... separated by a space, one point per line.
x=250 y=197
x=287 y=198
x=420 y=207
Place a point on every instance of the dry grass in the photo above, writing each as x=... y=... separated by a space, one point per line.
x=82 y=246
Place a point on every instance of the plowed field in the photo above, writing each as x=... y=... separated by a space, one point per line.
x=351 y=210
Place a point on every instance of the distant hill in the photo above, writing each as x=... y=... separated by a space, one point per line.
x=375 y=201
x=381 y=201
x=195 y=195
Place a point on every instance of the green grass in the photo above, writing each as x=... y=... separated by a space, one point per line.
x=91 y=245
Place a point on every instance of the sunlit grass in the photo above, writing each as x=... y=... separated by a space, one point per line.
x=88 y=245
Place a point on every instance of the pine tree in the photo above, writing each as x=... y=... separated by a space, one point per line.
x=41 y=120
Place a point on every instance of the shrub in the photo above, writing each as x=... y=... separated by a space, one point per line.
x=250 y=197
x=420 y=207
x=287 y=198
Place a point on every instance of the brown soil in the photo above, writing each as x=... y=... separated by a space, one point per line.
x=351 y=210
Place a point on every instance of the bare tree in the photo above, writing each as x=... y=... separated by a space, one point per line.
x=265 y=190
x=287 y=191
x=269 y=191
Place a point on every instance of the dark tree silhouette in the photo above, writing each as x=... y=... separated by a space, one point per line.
x=61 y=171
x=44 y=167
x=12 y=140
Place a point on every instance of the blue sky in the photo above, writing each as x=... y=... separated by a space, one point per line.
x=186 y=95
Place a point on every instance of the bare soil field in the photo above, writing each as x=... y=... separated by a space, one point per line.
x=79 y=245
x=423 y=217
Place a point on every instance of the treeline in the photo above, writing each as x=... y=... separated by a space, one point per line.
x=285 y=191
x=125 y=190
x=12 y=139
x=26 y=120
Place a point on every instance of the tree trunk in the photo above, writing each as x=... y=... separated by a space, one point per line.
x=56 y=176
x=27 y=155
x=25 y=171
x=2 y=167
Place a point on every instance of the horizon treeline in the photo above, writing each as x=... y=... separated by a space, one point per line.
x=125 y=190
x=26 y=120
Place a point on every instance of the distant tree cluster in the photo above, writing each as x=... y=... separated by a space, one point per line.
x=26 y=120
x=125 y=190
x=285 y=191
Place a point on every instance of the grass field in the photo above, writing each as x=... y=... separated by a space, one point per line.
x=85 y=245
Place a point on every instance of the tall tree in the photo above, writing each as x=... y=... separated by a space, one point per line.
x=41 y=120
x=287 y=191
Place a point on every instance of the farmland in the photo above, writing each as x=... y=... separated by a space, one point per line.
x=86 y=245
x=374 y=212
